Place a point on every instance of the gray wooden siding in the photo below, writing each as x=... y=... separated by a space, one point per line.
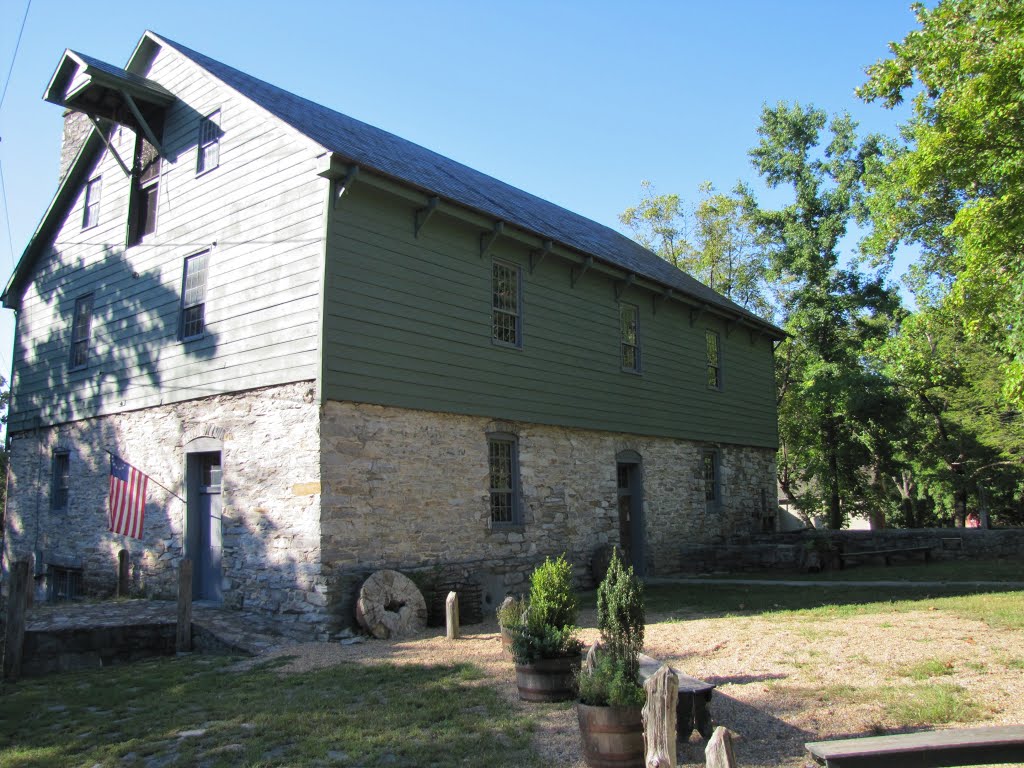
x=261 y=214
x=407 y=323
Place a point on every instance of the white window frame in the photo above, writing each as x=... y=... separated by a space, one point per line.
x=193 y=296
x=501 y=312
x=91 y=203
x=713 y=365
x=81 y=332
x=624 y=343
x=208 y=143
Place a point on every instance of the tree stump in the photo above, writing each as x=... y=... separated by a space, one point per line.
x=390 y=605
x=451 y=616
x=718 y=753
x=659 y=715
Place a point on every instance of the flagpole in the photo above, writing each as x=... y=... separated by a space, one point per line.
x=155 y=482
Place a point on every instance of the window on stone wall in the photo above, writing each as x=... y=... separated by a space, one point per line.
x=60 y=480
x=503 y=467
x=712 y=489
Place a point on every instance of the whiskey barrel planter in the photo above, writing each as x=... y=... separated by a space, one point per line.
x=613 y=737
x=548 y=679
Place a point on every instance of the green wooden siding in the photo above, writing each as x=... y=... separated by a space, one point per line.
x=407 y=322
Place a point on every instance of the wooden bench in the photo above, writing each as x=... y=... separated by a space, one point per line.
x=969 y=746
x=693 y=710
x=886 y=554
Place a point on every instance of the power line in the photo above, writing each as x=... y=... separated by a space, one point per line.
x=14 y=58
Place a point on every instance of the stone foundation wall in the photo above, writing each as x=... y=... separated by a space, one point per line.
x=788 y=551
x=409 y=490
x=271 y=502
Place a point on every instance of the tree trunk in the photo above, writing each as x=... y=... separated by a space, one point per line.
x=835 y=511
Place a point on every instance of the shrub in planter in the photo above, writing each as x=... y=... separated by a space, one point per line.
x=610 y=693
x=509 y=613
x=545 y=644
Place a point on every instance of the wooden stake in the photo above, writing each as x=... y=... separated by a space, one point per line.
x=17 y=606
x=183 y=637
x=718 y=752
x=451 y=616
x=660 y=718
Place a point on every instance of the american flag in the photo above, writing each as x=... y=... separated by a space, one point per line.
x=127 y=498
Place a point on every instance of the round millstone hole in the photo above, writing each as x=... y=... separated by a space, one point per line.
x=390 y=605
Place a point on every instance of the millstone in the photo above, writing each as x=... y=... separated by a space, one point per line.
x=390 y=605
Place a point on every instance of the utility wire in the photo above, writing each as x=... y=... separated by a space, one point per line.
x=14 y=58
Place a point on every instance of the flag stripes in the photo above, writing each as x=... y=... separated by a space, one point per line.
x=127 y=498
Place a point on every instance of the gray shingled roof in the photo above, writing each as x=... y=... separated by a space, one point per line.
x=377 y=150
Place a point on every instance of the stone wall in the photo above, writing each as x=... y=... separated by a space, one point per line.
x=270 y=521
x=409 y=490
x=787 y=551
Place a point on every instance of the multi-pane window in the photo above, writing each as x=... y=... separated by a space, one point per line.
x=630 y=339
x=193 y=296
x=91 y=206
x=503 y=465
x=711 y=490
x=208 y=155
x=81 y=326
x=59 y=480
x=713 y=345
x=145 y=189
x=506 y=304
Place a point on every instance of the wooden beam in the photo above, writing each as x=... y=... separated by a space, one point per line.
x=350 y=176
x=110 y=147
x=536 y=257
x=143 y=124
x=487 y=238
x=622 y=286
x=425 y=213
x=575 y=275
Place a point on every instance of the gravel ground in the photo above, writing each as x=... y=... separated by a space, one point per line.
x=781 y=682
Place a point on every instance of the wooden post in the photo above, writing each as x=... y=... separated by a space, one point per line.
x=660 y=718
x=17 y=606
x=718 y=752
x=451 y=616
x=183 y=638
x=122 y=573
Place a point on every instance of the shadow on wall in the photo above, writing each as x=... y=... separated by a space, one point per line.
x=133 y=354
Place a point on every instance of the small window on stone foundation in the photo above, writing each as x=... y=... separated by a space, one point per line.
x=63 y=584
x=712 y=486
x=503 y=465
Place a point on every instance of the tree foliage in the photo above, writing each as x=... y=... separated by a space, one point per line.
x=831 y=405
x=955 y=185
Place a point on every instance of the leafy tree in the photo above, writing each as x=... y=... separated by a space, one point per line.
x=957 y=186
x=714 y=241
x=830 y=403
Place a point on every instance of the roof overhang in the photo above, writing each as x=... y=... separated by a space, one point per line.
x=100 y=90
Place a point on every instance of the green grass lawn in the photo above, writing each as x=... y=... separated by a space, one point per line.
x=196 y=711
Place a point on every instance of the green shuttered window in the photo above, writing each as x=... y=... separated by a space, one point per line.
x=503 y=466
x=145 y=192
x=714 y=359
x=506 y=304
x=630 y=338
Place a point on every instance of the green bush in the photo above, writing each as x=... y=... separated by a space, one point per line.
x=547 y=628
x=552 y=600
x=621 y=616
x=511 y=613
x=609 y=685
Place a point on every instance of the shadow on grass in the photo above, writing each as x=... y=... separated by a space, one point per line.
x=192 y=711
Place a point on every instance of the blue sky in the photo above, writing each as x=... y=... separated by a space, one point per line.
x=577 y=102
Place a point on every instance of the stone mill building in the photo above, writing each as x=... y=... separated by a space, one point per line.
x=333 y=351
